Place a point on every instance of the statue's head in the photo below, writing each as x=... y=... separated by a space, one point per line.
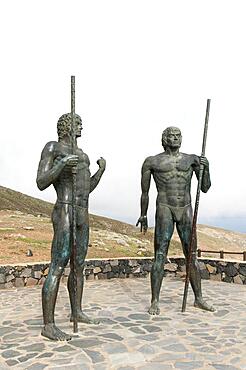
x=64 y=125
x=171 y=137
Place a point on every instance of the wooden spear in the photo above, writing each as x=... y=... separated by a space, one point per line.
x=74 y=246
x=193 y=239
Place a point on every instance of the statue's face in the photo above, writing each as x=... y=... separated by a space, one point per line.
x=78 y=127
x=174 y=138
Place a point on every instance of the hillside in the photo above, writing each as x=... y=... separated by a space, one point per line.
x=25 y=224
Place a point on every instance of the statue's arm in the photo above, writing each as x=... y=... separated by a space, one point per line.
x=144 y=202
x=145 y=185
x=47 y=171
x=94 y=180
x=206 y=181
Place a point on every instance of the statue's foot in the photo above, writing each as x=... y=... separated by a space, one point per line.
x=200 y=303
x=154 y=308
x=82 y=317
x=52 y=332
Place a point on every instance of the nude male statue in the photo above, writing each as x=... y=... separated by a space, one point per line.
x=172 y=172
x=55 y=167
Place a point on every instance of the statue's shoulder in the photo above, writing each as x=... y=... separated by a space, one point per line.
x=193 y=159
x=50 y=147
x=153 y=160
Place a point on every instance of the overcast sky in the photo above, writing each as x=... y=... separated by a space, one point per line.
x=140 y=66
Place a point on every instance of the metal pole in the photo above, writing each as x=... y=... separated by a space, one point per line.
x=74 y=247
x=192 y=246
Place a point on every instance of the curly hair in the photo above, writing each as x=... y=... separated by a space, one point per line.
x=64 y=124
x=165 y=134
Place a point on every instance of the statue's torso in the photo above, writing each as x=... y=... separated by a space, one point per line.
x=63 y=184
x=172 y=175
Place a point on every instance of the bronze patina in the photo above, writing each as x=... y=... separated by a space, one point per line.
x=61 y=163
x=172 y=172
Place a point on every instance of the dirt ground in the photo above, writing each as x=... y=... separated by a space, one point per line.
x=20 y=232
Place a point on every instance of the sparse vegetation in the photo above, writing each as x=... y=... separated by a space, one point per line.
x=26 y=225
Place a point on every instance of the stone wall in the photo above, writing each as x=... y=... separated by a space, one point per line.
x=35 y=274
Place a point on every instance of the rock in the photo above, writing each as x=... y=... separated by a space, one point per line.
x=133 y=263
x=2 y=278
x=9 y=278
x=27 y=272
x=89 y=277
x=37 y=274
x=8 y=285
x=172 y=267
x=28 y=227
x=114 y=262
x=31 y=281
x=231 y=270
x=29 y=253
x=19 y=282
x=242 y=269
x=107 y=268
x=122 y=242
x=46 y=271
x=211 y=269
x=41 y=281
x=96 y=270
x=237 y=279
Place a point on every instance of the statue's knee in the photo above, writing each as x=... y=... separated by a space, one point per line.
x=58 y=270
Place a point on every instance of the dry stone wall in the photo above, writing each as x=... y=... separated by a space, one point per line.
x=35 y=274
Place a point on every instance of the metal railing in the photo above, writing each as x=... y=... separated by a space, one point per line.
x=221 y=253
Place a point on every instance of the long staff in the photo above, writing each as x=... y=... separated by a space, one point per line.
x=74 y=246
x=192 y=245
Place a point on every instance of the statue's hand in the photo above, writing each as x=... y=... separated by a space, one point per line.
x=143 y=221
x=204 y=161
x=71 y=161
x=101 y=163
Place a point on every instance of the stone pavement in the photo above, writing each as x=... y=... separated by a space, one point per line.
x=127 y=337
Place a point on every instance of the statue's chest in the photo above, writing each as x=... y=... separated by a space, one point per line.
x=169 y=168
x=172 y=164
x=83 y=162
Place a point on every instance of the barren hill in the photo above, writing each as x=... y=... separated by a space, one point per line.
x=25 y=224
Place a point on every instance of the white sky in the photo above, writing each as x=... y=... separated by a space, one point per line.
x=140 y=66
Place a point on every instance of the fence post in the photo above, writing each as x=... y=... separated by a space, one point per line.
x=222 y=254
x=199 y=253
x=244 y=255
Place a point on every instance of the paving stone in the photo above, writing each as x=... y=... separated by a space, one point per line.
x=27 y=357
x=152 y=328
x=11 y=363
x=111 y=336
x=37 y=347
x=188 y=365
x=95 y=356
x=10 y=353
x=85 y=343
x=122 y=340
x=114 y=348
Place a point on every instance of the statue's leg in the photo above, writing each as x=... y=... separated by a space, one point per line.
x=59 y=257
x=164 y=226
x=184 y=227
x=82 y=247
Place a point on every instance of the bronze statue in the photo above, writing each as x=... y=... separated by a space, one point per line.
x=172 y=172
x=56 y=167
